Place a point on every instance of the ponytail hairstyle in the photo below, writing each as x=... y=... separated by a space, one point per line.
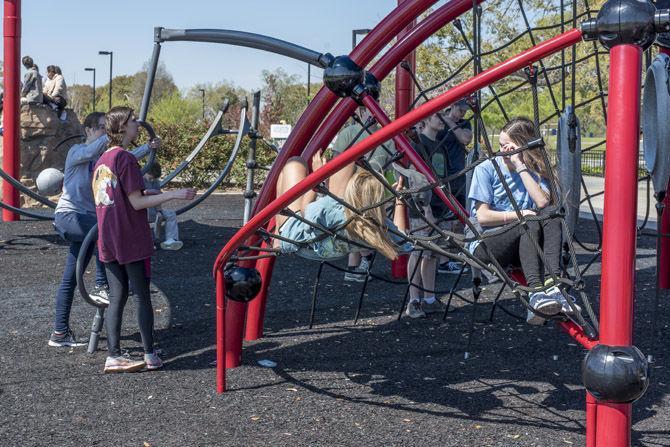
x=521 y=131
x=115 y=124
x=364 y=190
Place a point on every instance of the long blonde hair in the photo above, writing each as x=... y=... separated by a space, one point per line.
x=364 y=190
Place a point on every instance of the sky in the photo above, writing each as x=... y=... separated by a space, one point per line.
x=69 y=33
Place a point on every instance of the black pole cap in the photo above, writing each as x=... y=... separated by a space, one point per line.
x=617 y=374
x=242 y=283
x=342 y=75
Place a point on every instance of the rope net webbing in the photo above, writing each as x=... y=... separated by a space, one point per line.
x=538 y=86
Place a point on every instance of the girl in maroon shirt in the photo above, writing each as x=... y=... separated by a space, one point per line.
x=124 y=242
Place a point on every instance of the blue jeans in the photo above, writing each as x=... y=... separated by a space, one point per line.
x=73 y=227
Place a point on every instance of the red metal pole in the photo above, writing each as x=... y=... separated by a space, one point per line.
x=384 y=66
x=591 y=420
x=619 y=231
x=235 y=312
x=256 y=307
x=664 y=267
x=11 y=145
x=220 y=332
x=404 y=95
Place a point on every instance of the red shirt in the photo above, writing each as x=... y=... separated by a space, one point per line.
x=124 y=235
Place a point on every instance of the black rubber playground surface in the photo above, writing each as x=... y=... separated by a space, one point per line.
x=380 y=382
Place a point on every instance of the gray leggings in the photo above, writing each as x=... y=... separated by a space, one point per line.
x=118 y=276
x=515 y=247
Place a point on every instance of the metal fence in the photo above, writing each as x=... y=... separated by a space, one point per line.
x=593 y=162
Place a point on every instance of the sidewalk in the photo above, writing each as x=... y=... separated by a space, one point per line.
x=597 y=184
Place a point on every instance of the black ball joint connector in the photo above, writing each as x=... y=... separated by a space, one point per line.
x=347 y=80
x=635 y=22
x=618 y=374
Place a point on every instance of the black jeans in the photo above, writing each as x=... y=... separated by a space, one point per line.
x=515 y=247
x=118 y=276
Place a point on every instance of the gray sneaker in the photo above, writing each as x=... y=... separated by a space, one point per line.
x=566 y=299
x=64 y=340
x=547 y=304
x=414 y=310
x=434 y=307
x=355 y=276
x=100 y=294
x=153 y=361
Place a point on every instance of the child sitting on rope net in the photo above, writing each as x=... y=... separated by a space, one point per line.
x=323 y=228
x=524 y=190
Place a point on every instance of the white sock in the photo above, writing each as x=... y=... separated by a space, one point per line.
x=429 y=299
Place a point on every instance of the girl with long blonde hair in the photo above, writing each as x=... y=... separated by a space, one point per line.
x=362 y=192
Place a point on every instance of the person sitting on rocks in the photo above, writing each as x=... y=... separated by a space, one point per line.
x=31 y=93
x=55 y=91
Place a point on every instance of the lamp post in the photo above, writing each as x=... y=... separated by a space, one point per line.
x=111 y=65
x=357 y=32
x=93 y=70
x=202 y=90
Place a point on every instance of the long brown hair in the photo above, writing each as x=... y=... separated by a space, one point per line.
x=521 y=130
x=362 y=191
x=115 y=124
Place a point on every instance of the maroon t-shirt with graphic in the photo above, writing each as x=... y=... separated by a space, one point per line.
x=124 y=235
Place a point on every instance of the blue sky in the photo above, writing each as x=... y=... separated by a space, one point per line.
x=69 y=33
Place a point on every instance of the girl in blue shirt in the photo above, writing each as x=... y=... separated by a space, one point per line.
x=527 y=176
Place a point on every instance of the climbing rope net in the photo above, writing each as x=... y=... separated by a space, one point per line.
x=551 y=89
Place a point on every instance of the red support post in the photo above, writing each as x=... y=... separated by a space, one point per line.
x=256 y=307
x=619 y=227
x=591 y=420
x=11 y=145
x=404 y=95
x=220 y=332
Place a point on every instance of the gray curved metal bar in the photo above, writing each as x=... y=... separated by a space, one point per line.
x=244 y=39
x=227 y=37
x=85 y=253
x=214 y=130
x=26 y=213
x=242 y=131
x=22 y=188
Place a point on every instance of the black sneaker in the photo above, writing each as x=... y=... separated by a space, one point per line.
x=64 y=340
x=451 y=267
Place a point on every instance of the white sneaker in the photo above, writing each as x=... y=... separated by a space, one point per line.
x=565 y=300
x=542 y=302
x=63 y=116
x=171 y=244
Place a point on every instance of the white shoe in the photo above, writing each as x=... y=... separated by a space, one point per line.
x=542 y=302
x=171 y=244
x=565 y=300
x=63 y=116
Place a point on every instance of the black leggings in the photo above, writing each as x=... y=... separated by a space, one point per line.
x=515 y=247
x=118 y=276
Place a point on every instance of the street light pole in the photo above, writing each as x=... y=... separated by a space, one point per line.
x=309 y=80
x=202 y=90
x=93 y=70
x=111 y=65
